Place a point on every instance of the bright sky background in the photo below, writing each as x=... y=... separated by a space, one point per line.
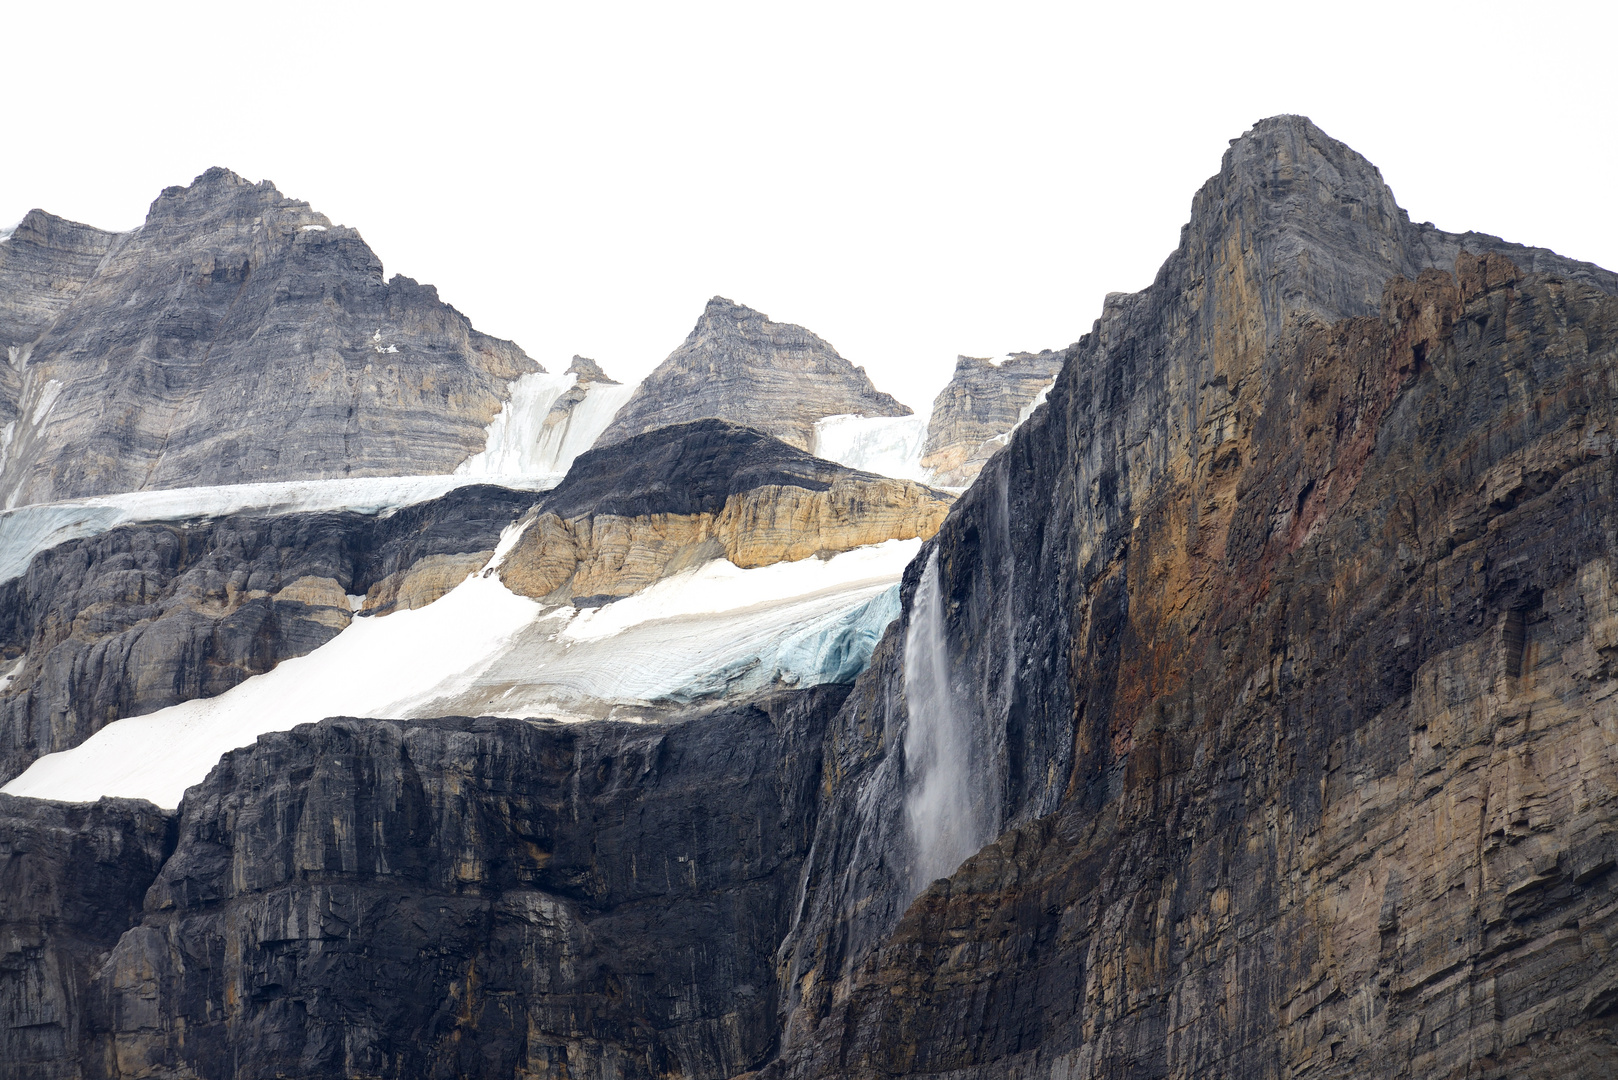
x=910 y=181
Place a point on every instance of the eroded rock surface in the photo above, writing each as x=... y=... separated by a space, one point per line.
x=632 y=513
x=737 y=365
x=1282 y=632
x=973 y=415
x=474 y=898
x=146 y=616
x=72 y=880
x=232 y=301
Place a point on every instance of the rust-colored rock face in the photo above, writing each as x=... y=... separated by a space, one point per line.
x=1304 y=743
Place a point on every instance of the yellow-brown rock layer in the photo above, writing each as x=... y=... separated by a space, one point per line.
x=422 y=582
x=608 y=555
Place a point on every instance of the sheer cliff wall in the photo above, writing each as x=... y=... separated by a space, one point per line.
x=1285 y=627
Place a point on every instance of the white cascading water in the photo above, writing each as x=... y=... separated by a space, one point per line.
x=946 y=800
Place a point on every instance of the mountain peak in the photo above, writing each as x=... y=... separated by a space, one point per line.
x=588 y=371
x=736 y=364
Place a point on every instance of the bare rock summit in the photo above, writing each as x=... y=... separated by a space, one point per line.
x=739 y=366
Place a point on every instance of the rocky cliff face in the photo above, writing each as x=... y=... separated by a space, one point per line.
x=72 y=879
x=1252 y=714
x=231 y=300
x=44 y=262
x=632 y=513
x=145 y=616
x=739 y=366
x=465 y=898
x=974 y=414
x=1272 y=652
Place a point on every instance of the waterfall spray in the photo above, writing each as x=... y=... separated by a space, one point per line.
x=944 y=795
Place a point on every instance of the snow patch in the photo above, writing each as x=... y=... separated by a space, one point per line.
x=887 y=445
x=314 y=228
x=47 y=400
x=530 y=436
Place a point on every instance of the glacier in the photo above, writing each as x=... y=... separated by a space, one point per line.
x=886 y=445
x=526 y=439
x=481 y=649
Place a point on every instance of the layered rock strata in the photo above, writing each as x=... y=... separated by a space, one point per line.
x=72 y=879
x=468 y=898
x=973 y=415
x=632 y=513
x=1279 y=644
x=737 y=365
x=232 y=300
x=146 y=616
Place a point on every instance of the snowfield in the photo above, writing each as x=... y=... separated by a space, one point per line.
x=886 y=445
x=483 y=650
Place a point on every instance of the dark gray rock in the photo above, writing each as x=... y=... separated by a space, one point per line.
x=480 y=898
x=237 y=336
x=737 y=365
x=72 y=880
x=688 y=468
x=44 y=262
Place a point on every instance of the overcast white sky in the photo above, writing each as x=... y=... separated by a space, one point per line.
x=910 y=181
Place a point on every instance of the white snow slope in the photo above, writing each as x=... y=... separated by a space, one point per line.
x=481 y=649
x=887 y=445
x=519 y=444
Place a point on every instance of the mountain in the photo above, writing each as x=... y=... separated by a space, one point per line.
x=739 y=366
x=975 y=412
x=165 y=621
x=1237 y=703
x=1250 y=714
x=231 y=300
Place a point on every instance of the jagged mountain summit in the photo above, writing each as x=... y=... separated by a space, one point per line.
x=737 y=365
x=129 y=351
x=1251 y=714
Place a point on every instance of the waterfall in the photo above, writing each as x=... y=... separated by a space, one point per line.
x=947 y=778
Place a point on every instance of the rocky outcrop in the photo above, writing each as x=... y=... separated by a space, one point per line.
x=1276 y=645
x=973 y=416
x=737 y=365
x=146 y=616
x=489 y=898
x=234 y=302
x=632 y=513
x=72 y=879
x=44 y=262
